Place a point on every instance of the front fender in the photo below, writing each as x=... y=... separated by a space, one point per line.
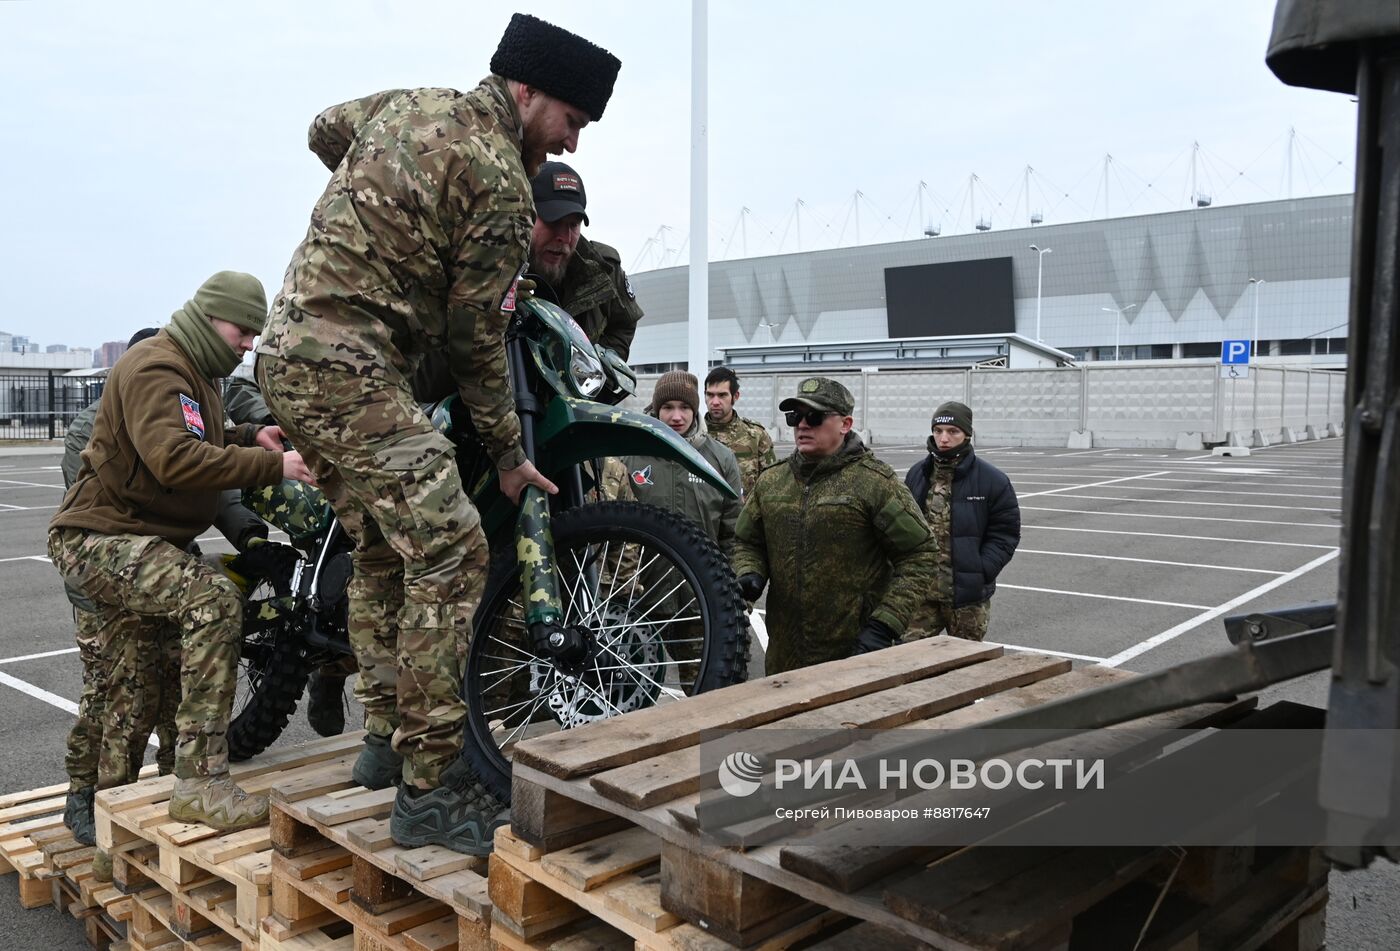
x=574 y=430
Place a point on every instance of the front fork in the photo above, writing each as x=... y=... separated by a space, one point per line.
x=534 y=540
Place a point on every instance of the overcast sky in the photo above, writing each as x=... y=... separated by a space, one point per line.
x=148 y=145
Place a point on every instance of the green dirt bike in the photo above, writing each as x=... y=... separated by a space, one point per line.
x=593 y=607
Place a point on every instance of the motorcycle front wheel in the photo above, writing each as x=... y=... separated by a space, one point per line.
x=660 y=611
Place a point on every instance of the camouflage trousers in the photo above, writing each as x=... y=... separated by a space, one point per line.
x=421 y=557
x=934 y=617
x=142 y=575
x=128 y=691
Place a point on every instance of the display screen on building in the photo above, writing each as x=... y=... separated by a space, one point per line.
x=960 y=297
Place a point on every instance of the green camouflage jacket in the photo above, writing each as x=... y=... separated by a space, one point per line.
x=840 y=541
x=671 y=486
x=415 y=246
x=749 y=442
x=597 y=293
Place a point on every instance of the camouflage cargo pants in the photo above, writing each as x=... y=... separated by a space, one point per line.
x=420 y=557
x=128 y=575
x=934 y=617
x=108 y=741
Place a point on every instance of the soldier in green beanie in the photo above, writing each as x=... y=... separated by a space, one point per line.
x=150 y=484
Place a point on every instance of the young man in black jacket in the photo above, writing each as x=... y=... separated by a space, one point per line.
x=972 y=510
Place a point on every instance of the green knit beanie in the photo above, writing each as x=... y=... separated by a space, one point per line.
x=236 y=297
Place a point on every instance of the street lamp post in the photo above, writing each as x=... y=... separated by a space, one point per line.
x=1254 y=344
x=1039 y=273
x=1117 y=325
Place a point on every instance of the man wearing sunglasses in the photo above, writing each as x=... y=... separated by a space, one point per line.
x=836 y=537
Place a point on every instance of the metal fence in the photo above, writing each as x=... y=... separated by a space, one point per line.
x=40 y=405
x=1157 y=405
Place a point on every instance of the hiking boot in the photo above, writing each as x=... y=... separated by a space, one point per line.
x=325 y=703
x=101 y=866
x=378 y=766
x=78 y=815
x=217 y=802
x=460 y=814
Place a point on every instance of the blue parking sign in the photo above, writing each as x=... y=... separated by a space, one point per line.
x=1234 y=352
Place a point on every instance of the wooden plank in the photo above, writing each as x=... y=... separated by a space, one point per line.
x=16 y=830
x=551 y=821
x=589 y=864
x=471 y=893
x=366 y=804
x=433 y=861
x=864 y=936
x=587 y=935
x=736 y=907
x=527 y=907
x=657 y=779
x=310 y=865
x=656 y=730
x=970 y=899
x=329 y=777
x=228 y=847
x=368 y=834
x=637 y=898
x=437 y=935
x=37 y=807
x=376 y=890
x=28 y=795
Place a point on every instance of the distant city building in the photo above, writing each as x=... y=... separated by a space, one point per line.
x=5 y=342
x=109 y=353
x=56 y=348
x=20 y=344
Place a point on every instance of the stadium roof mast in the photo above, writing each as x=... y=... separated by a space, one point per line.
x=699 y=273
x=1199 y=198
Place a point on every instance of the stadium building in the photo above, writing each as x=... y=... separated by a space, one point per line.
x=1167 y=286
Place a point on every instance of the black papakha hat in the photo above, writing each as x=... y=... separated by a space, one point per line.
x=556 y=62
x=558 y=192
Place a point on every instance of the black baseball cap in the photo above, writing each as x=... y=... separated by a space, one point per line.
x=558 y=192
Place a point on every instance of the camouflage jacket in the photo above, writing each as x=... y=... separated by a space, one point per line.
x=749 y=442
x=597 y=293
x=840 y=541
x=415 y=246
x=671 y=486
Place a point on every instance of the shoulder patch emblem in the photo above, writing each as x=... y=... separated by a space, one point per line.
x=642 y=476
x=508 y=302
x=194 y=422
x=627 y=286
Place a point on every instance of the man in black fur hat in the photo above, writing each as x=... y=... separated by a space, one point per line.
x=416 y=246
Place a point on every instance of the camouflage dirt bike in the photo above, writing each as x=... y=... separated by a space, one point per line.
x=628 y=606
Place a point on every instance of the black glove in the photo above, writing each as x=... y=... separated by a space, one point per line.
x=266 y=560
x=874 y=636
x=751 y=585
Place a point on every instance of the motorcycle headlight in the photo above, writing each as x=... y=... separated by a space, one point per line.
x=585 y=373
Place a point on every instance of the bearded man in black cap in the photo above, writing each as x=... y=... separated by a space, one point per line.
x=972 y=510
x=417 y=245
x=582 y=276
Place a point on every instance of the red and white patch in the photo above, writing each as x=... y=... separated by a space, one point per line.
x=564 y=182
x=642 y=476
x=508 y=302
x=194 y=422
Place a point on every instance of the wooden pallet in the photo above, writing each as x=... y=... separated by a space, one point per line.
x=606 y=893
x=334 y=864
x=643 y=770
x=191 y=884
x=36 y=845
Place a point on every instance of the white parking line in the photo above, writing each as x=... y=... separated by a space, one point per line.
x=26 y=558
x=52 y=699
x=1198 y=538
x=1146 y=561
x=33 y=485
x=1087 y=485
x=1179 y=518
x=24 y=508
x=1102 y=597
x=16 y=660
x=39 y=693
x=1263 y=495
x=1171 y=633
x=1046 y=650
x=1228 y=505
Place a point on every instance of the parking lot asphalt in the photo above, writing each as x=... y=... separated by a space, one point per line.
x=1128 y=558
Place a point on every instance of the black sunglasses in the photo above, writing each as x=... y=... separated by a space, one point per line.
x=814 y=417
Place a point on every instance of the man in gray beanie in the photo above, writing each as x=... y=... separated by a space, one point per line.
x=972 y=510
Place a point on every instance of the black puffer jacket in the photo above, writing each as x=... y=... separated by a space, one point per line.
x=986 y=523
